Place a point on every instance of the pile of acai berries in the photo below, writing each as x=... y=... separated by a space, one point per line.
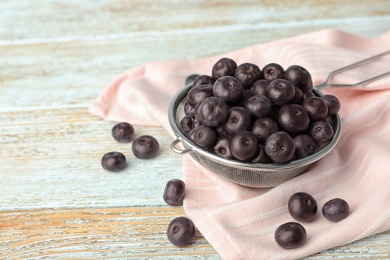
x=268 y=115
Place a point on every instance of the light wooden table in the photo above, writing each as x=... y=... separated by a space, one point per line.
x=56 y=56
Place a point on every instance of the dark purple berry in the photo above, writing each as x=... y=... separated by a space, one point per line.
x=181 y=231
x=174 y=192
x=329 y=120
x=245 y=96
x=188 y=108
x=315 y=107
x=302 y=206
x=113 y=161
x=196 y=94
x=247 y=74
x=205 y=136
x=335 y=210
x=290 y=235
x=203 y=80
x=280 y=91
x=145 y=147
x=196 y=123
x=261 y=156
x=123 y=132
x=191 y=134
x=228 y=88
x=299 y=77
x=191 y=78
x=280 y=147
x=298 y=97
x=307 y=94
x=243 y=146
x=263 y=127
x=259 y=106
x=221 y=131
x=185 y=124
x=273 y=71
x=222 y=148
x=212 y=111
x=304 y=146
x=274 y=113
x=293 y=119
x=333 y=104
x=321 y=131
x=224 y=67
x=259 y=87
x=196 y=117
x=239 y=119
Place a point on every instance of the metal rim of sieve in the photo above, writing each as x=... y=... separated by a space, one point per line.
x=299 y=166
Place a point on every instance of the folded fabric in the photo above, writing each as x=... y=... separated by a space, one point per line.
x=240 y=222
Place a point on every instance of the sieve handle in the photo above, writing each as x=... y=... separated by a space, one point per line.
x=177 y=150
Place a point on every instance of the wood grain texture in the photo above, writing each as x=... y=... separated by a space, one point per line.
x=55 y=58
x=58 y=19
x=132 y=232
x=135 y=232
x=47 y=148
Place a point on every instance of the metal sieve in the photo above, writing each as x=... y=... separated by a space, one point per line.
x=249 y=174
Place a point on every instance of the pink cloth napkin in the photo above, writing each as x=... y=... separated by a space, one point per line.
x=239 y=222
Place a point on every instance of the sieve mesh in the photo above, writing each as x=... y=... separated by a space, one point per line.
x=246 y=174
x=251 y=178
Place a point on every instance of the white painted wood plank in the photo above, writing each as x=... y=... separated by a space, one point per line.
x=57 y=19
x=51 y=159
